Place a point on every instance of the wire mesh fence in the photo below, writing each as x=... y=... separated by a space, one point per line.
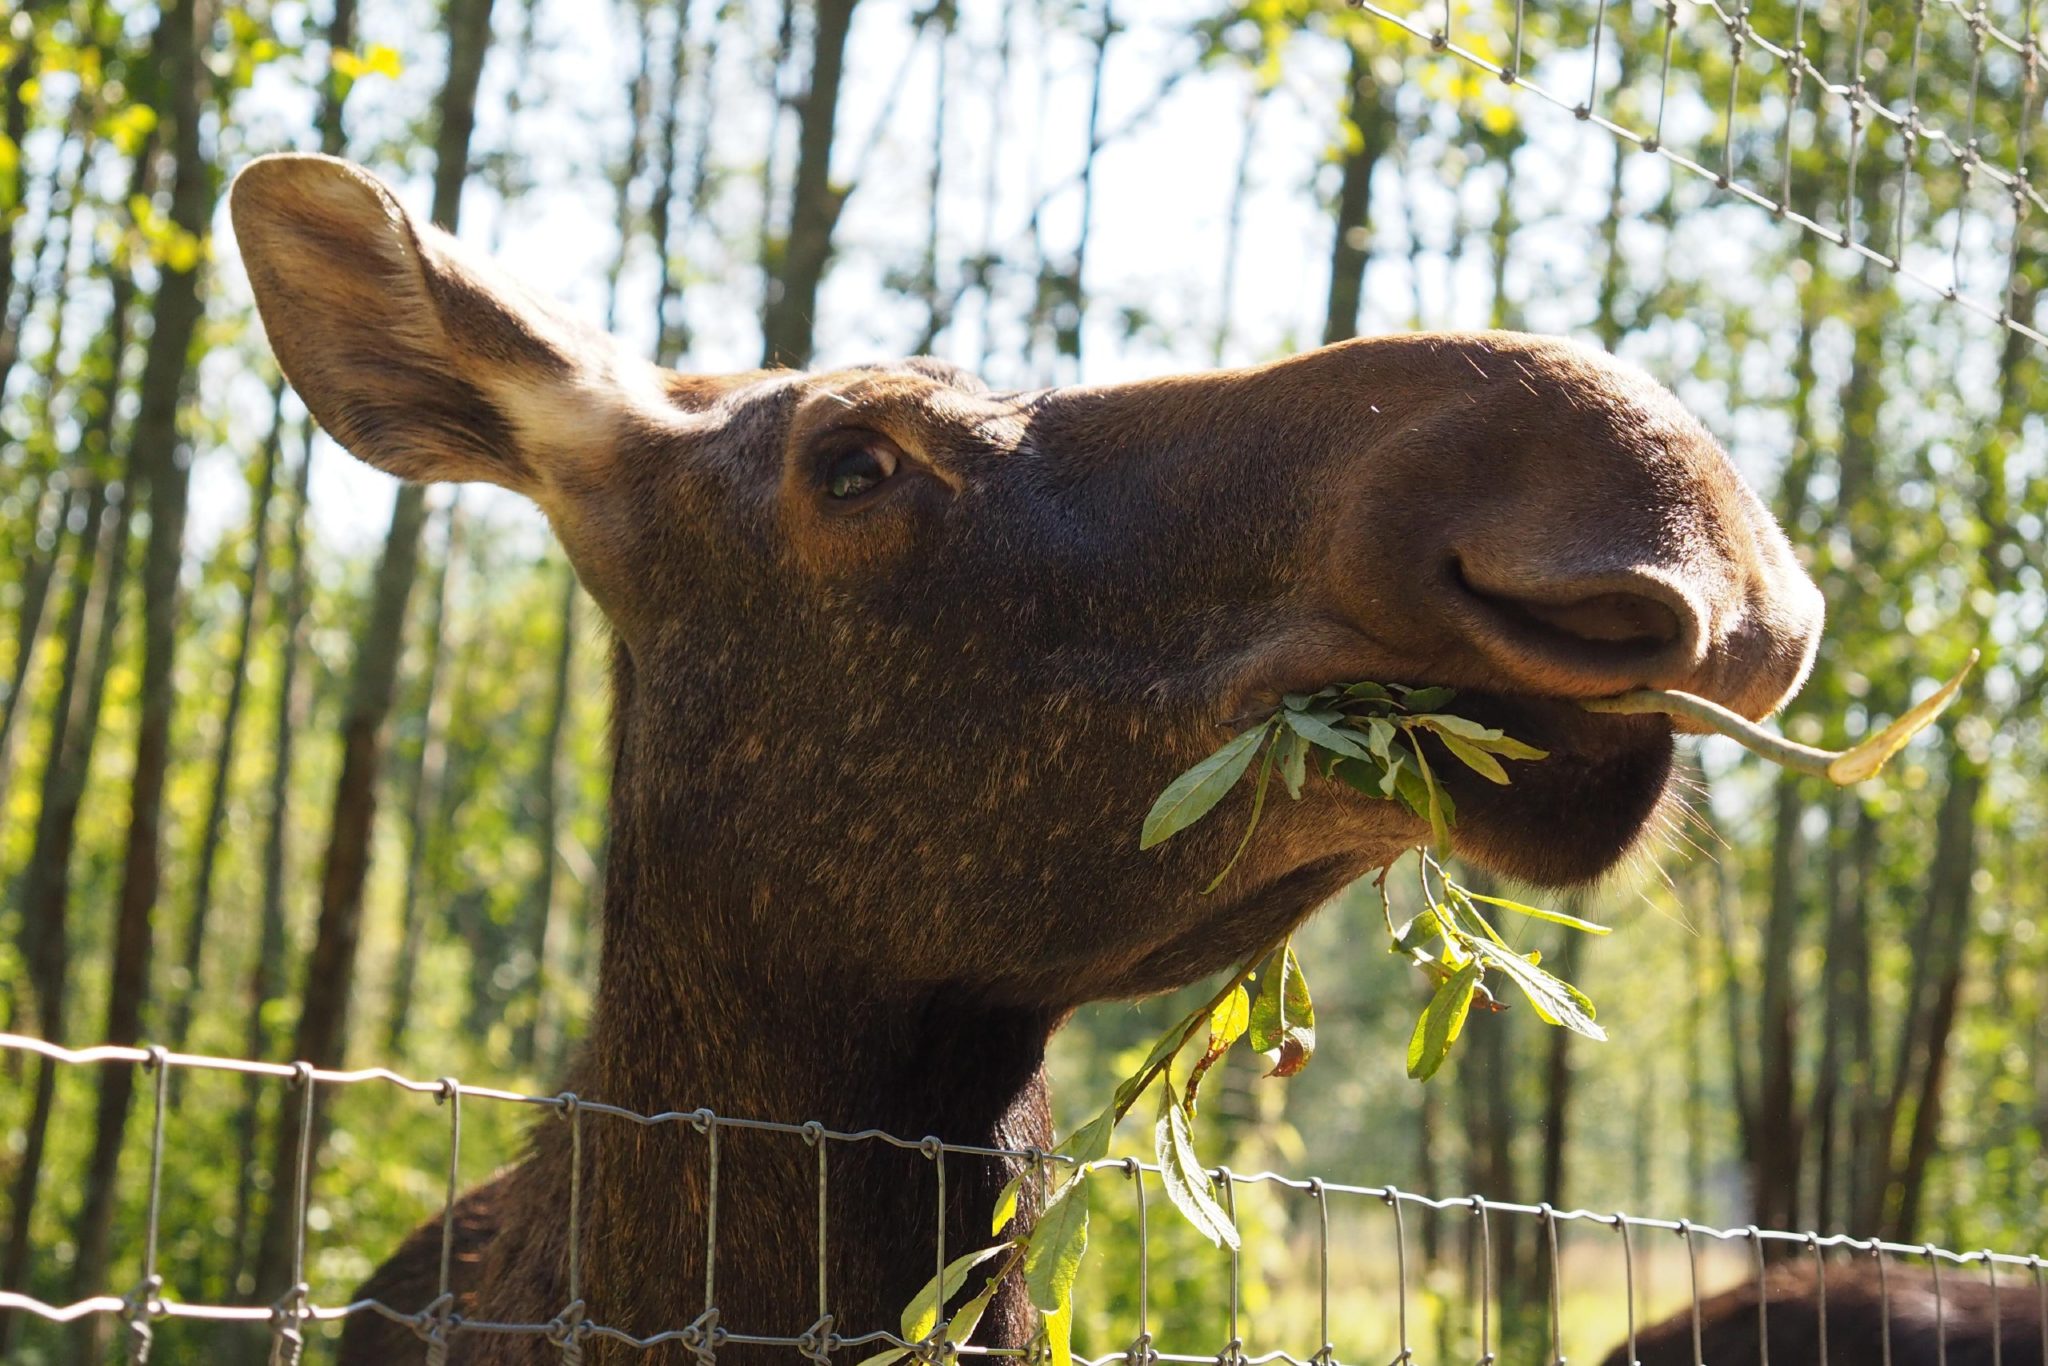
x=1933 y=1277
x=1903 y=131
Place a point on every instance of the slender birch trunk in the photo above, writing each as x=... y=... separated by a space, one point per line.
x=162 y=461
x=789 y=314
x=423 y=787
x=321 y=1034
x=231 y=714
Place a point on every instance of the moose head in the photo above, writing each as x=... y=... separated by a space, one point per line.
x=901 y=661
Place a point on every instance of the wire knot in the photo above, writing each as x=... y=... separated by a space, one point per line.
x=703 y=1337
x=1140 y=1352
x=288 y=1343
x=142 y=1305
x=1232 y=1353
x=567 y=1331
x=431 y=1325
x=818 y=1341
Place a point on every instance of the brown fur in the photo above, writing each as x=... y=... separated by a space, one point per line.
x=1858 y=1307
x=880 y=766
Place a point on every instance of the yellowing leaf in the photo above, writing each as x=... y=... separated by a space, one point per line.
x=921 y=1315
x=1006 y=1204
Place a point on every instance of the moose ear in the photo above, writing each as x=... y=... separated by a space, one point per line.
x=419 y=359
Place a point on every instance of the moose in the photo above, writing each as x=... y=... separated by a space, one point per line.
x=900 y=661
x=1901 y=1315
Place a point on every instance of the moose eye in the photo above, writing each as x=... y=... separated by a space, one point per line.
x=860 y=470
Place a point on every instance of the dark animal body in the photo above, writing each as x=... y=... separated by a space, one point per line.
x=1961 y=1324
x=899 y=664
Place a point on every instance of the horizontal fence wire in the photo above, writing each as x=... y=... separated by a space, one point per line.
x=1870 y=95
x=149 y=1301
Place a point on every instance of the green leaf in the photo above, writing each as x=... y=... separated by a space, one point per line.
x=1426 y=699
x=1556 y=1002
x=1379 y=738
x=1538 y=913
x=1006 y=1203
x=1090 y=1142
x=1368 y=692
x=1258 y=808
x=1442 y=1021
x=1320 y=733
x=1457 y=725
x=884 y=1358
x=1434 y=801
x=1293 y=760
x=1282 y=1023
x=1475 y=758
x=1189 y=797
x=1056 y=1247
x=968 y=1317
x=1187 y=1184
x=1507 y=747
x=1417 y=932
x=1480 y=737
x=921 y=1315
x=1364 y=776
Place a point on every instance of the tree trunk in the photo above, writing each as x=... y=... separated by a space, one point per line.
x=231 y=715
x=1233 y=227
x=536 y=1037
x=36 y=582
x=1950 y=904
x=266 y=971
x=1557 y=1087
x=15 y=120
x=160 y=463
x=670 y=332
x=1364 y=137
x=341 y=36
x=1775 y=1127
x=321 y=1035
x=46 y=889
x=815 y=202
x=424 y=786
x=938 y=311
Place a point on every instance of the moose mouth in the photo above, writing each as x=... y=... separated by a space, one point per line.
x=1567 y=819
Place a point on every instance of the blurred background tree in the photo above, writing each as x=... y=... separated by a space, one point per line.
x=296 y=764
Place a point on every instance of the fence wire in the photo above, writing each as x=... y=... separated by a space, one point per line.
x=150 y=1302
x=1986 y=148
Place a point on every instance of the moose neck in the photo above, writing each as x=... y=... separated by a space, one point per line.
x=689 y=1015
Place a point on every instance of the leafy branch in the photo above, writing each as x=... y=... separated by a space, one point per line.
x=1370 y=737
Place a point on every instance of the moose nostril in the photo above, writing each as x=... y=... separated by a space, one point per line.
x=1599 y=631
x=1609 y=618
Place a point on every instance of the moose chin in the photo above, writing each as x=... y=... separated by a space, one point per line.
x=899 y=663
